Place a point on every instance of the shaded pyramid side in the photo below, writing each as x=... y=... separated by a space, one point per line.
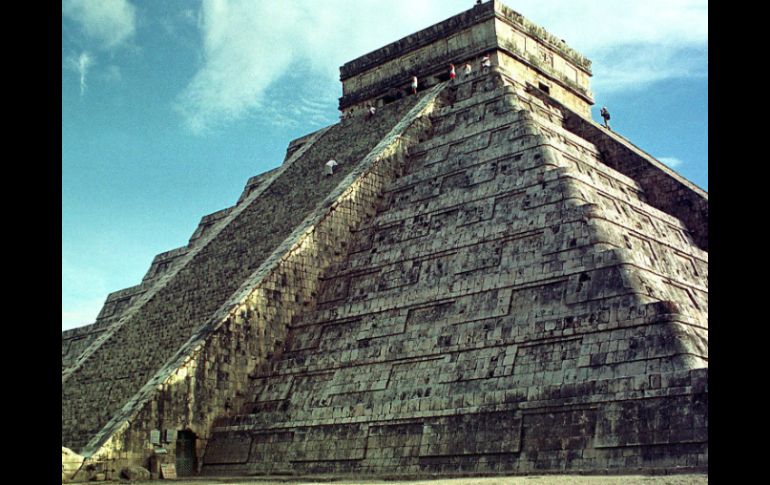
x=514 y=305
x=177 y=303
x=76 y=341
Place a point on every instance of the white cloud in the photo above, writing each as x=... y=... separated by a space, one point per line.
x=588 y=25
x=80 y=65
x=670 y=161
x=631 y=43
x=109 y=22
x=84 y=62
x=248 y=45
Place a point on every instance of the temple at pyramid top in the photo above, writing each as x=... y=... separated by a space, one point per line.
x=522 y=50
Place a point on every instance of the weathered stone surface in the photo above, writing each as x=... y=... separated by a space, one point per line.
x=489 y=283
x=135 y=473
x=526 y=51
x=70 y=464
x=515 y=305
x=204 y=376
x=168 y=318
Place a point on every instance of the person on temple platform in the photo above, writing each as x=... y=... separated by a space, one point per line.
x=606 y=116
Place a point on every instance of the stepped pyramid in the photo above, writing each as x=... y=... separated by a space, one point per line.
x=489 y=283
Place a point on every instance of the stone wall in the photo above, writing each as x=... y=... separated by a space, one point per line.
x=490 y=28
x=134 y=349
x=535 y=71
x=205 y=377
x=392 y=78
x=665 y=189
x=416 y=42
x=515 y=305
x=75 y=341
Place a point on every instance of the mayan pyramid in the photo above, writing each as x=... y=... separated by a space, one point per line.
x=490 y=282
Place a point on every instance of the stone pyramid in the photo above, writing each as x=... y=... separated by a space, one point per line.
x=490 y=282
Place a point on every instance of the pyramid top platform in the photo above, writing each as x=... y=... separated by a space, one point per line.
x=517 y=47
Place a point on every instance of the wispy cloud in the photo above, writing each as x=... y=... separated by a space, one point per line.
x=302 y=112
x=631 y=43
x=249 y=45
x=106 y=25
x=108 y=22
x=80 y=64
x=83 y=63
x=592 y=24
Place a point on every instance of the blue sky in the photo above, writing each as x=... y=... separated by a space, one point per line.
x=169 y=107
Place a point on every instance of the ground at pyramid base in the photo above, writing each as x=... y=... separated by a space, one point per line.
x=489 y=282
x=675 y=479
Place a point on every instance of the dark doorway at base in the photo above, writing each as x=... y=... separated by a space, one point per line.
x=186 y=461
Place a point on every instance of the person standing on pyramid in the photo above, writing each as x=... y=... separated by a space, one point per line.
x=330 y=166
x=468 y=69
x=452 y=73
x=414 y=84
x=606 y=116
